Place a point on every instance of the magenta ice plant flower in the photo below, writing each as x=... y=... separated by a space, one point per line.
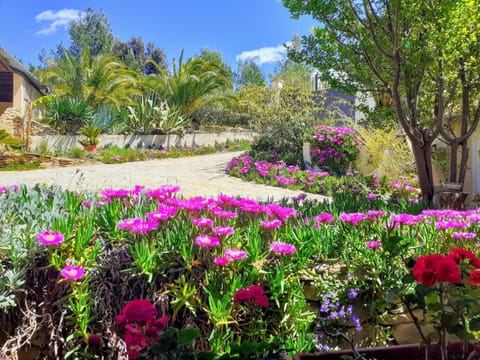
x=282 y=248
x=373 y=244
x=271 y=224
x=324 y=218
x=72 y=272
x=206 y=241
x=50 y=238
x=221 y=260
x=223 y=230
x=461 y=235
x=353 y=218
x=202 y=222
x=235 y=254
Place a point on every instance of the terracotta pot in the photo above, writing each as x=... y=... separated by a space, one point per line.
x=90 y=148
x=398 y=352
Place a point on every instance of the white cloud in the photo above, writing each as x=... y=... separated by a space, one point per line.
x=56 y=19
x=264 y=55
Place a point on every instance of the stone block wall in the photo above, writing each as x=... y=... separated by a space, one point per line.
x=13 y=122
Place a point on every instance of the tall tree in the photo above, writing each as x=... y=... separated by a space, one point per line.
x=137 y=57
x=403 y=48
x=291 y=73
x=91 y=31
x=248 y=73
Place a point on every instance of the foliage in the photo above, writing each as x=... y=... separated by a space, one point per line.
x=91 y=31
x=91 y=133
x=279 y=118
x=135 y=55
x=98 y=81
x=150 y=115
x=248 y=74
x=334 y=149
x=190 y=85
x=290 y=73
x=67 y=115
x=384 y=152
x=416 y=53
x=280 y=141
x=7 y=139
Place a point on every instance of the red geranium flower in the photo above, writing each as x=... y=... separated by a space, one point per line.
x=474 y=277
x=241 y=296
x=423 y=270
x=460 y=254
x=139 y=311
x=447 y=270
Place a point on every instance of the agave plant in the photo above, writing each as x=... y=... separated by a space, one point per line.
x=151 y=115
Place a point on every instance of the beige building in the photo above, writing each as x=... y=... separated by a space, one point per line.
x=18 y=88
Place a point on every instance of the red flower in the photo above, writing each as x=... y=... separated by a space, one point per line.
x=430 y=268
x=139 y=311
x=447 y=270
x=423 y=269
x=94 y=340
x=262 y=300
x=460 y=254
x=241 y=296
x=474 y=277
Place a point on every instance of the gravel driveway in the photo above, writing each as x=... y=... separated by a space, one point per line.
x=197 y=176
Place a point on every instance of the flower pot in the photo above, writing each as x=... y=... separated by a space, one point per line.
x=397 y=352
x=90 y=148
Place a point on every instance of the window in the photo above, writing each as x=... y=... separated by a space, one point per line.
x=6 y=87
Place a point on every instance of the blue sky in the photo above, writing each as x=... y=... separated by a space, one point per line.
x=246 y=29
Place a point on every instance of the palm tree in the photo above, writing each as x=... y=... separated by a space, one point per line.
x=191 y=85
x=99 y=81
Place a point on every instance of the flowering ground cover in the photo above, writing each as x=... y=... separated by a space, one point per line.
x=116 y=273
x=371 y=187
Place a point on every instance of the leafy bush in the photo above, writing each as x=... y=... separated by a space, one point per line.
x=384 y=152
x=280 y=141
x=68 y=115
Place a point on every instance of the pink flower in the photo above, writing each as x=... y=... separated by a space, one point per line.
x=324 y=218
x=271 y=224
x=460 y=235
x=235 y=254
x=282 y=248
x=373 y=244
x=85 y=203
x=72 y=272
x=202 y=222
x=50 y=238
x=206 y=241
x=223 y=230
x=221 y=260
x=353 y=218
x=371 y=197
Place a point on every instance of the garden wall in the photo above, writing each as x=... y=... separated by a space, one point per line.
x=66 y=142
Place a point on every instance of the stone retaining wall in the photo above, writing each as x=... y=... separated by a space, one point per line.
x=66 y=142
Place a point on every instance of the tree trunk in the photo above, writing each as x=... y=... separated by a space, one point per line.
x=423 y=161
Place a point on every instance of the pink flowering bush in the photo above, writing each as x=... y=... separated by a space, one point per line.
x=334 y=149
